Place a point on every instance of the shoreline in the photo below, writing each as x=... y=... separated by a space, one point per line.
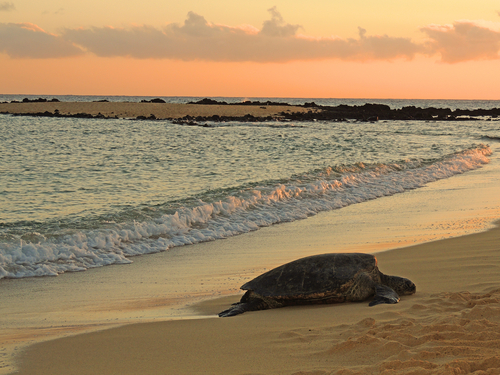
x=141 y=293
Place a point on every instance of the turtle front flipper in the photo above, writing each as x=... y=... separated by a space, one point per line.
x=384 y=294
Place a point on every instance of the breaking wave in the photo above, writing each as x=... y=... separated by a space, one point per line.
x=227 y=213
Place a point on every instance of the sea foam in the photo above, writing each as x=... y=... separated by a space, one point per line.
x=238 y=212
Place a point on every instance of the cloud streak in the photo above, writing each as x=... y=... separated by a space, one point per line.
x=276 y=41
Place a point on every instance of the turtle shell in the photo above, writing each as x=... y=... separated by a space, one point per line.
x=312 y=275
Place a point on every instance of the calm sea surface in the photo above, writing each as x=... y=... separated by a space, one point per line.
x=82 y=193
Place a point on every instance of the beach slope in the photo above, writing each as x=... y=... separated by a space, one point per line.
x=450 y=326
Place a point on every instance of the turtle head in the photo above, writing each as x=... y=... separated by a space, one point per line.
x=401 y=285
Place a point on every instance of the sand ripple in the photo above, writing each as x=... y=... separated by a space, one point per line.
x=448 y=333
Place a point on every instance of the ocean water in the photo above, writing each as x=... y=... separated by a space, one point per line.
x=82 y=193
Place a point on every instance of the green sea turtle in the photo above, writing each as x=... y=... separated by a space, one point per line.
x=319 y=279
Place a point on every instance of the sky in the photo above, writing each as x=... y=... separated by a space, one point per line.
x=439 y=49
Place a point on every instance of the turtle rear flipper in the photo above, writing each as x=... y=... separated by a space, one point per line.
x=236 y=309
x=384 y=294
x=247 y=303
x=250 y=302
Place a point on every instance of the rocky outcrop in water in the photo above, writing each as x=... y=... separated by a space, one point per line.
x=56 y=113
x=156 y=100
x=207 y=101
x=39 y=100
x=368 y=112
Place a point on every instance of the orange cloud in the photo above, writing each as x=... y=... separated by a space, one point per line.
x=277 y=41
x=276 y=25
x=26 y=40
x=197 y=39
x=463 y=41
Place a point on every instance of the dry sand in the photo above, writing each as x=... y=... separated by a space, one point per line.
x=450 y=326
x=160 y=110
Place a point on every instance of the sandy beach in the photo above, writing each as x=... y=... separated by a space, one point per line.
x=450 y=326
x=159 y=110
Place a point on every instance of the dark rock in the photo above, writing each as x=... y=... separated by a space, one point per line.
x=157 y=100
x=246 y=102
x=309 y=105
x=39 y=100
x=208 y=101
x=150 y=117
x=82 y=115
